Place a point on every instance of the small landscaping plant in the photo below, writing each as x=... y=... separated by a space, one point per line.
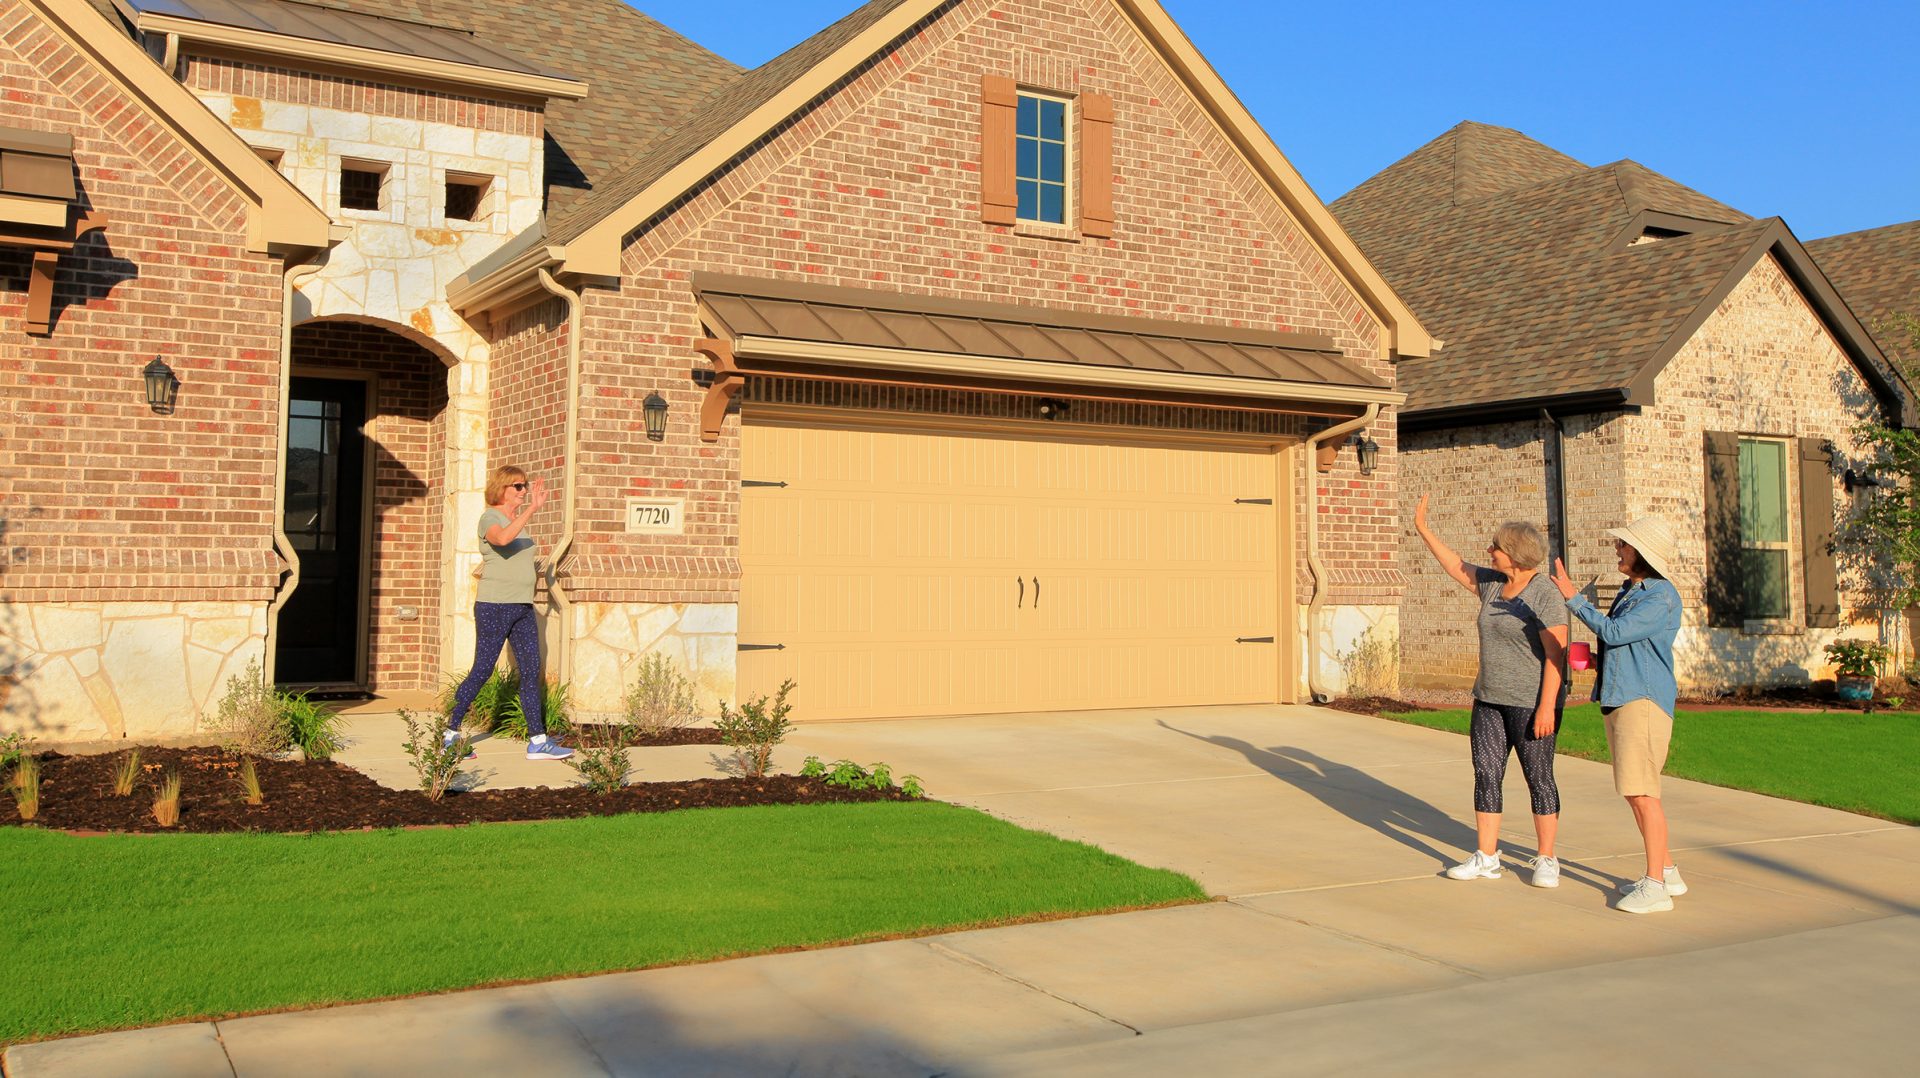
x=488 y=704
x=601 y=758
x=851 y=776
x=1372 y=668
x=14 y=748
x=250 y=718
x=1858 y=658
x=434 y=760
x=312 y=728
x=125 y=772
x=661 y=699
x=554 y=708
x=25 y=782
x=755 y=729
x=166 y=800
x=249 y=779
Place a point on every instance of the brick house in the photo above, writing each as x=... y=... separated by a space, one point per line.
x=970 y=356
x=1617 y=344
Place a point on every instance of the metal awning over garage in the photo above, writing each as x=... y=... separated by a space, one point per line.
x=799 y=329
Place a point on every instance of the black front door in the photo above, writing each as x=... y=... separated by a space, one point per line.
x=319 y=637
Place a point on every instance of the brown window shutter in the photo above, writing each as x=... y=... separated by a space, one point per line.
x=999 y=99
x=1096 y=165
x=1726 y=584
x=1816 y=534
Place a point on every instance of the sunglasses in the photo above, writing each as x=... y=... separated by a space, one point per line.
x=518 y=486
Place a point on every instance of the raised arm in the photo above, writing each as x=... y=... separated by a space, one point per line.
x=1657 y=612
x=502 y=534
x=1442 y=553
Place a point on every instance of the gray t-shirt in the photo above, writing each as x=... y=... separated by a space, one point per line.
x=1511 y=657
x=506 y=572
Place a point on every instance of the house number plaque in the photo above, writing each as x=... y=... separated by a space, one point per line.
x=656 y=516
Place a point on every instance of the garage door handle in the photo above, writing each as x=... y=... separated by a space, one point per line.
x=1022 y=600
x=1036 y=593
x=1253 y=639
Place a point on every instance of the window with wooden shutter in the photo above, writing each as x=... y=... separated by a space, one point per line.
x=1096 y=165
x=1819 y=576
x=999 y=100
x=1725 y=591
x=1040 y=165
x=1764 y=551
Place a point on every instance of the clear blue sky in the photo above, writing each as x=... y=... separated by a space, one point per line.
x=1809 y=111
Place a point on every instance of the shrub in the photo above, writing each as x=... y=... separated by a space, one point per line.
x=249 y=779
x=813 y=768
x=1858 y=658
x=1372 y=668
x=436 y=762
x=124 y=774
x=14 y=748
x=313 y=728
x=25 y=782
x=488 y=704
x=849 y=775
x=602 y=759
x=554 y=708
x=166 y=800
x=755 y=729
x=250 y=718
x=910 y=785
x=662 y=697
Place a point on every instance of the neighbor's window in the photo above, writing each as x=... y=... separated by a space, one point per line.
x=360 y=184
x=466 y=196
x=1763 y=527
x=1040 y=159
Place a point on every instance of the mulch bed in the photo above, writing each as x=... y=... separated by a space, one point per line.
x=1371 y=705
x=76 y=794
x=590 y=733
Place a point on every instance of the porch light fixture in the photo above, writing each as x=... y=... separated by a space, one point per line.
x=1861 y=480
x=162 y=387
x=655 y=410
x=1367 y=450
x=1051 y=408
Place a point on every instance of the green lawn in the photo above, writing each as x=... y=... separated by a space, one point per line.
x=1841 y=759
x=127 y=930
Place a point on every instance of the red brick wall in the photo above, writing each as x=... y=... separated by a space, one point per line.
x=224 y=76
x=406 y=428
x=105 y=500
x=527 y=408
x=878 y=187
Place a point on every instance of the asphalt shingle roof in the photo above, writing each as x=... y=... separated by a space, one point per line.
x=1513 y=254
x=1878 y=273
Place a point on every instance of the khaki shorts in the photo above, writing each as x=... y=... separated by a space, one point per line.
x=1638 y=733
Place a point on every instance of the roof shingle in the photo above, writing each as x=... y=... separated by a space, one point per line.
x=1878 y=273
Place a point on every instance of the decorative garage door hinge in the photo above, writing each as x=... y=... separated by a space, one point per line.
x=1253 y=501
x=761 y=483
x=1253 y=639
x=760 y=647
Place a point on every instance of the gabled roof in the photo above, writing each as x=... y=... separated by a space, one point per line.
x=1878 y=271
x=586 y=237
x=1533 y=269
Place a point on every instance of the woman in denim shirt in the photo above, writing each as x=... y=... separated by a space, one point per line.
x=1636 y=690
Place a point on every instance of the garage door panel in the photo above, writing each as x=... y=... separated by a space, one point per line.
x=907 y=580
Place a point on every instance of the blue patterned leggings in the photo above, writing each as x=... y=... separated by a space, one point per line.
x=496 y=624
x=1496 y=731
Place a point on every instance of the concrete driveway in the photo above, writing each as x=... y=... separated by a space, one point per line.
x=1336 y=945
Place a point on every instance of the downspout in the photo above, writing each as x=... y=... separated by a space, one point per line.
x=172 y=58
x=556 y=593
x=1557 y=477
x=1319 y=571
x=281 y=544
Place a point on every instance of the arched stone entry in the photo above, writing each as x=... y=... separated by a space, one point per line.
x=375 y=597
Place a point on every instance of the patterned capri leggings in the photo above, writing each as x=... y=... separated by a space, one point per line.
x=1492 y=730
x=496 y=624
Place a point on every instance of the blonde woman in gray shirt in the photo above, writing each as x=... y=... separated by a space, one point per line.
x=503 y=612
x=1521 y=690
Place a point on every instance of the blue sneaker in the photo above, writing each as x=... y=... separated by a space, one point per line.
x=450 y=737
x=552 y=750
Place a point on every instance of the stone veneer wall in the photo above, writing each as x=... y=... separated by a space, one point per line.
x=878 y=187
x=136 y=550
x=1762 y=364
x=610 y=639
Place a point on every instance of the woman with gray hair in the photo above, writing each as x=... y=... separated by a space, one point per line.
x=1521 y=689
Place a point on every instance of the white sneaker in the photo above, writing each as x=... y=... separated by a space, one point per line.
x=1648 y=896
x=1479 y=866
x=1675 y=885
x=1546 y=872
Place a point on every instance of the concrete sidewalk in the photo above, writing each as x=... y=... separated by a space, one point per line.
x=1338 y=944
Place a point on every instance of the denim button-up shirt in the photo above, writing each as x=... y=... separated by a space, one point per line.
x=1636 y=643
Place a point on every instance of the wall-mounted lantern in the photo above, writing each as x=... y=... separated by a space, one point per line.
x=1367 y=450
x=655 y=411
x=1051 y=407
x=162 y=386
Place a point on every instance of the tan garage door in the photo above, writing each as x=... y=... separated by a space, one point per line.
x=907 y=572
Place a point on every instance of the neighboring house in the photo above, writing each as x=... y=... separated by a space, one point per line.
x=970 y=356
x=1878 y=273
x=1616 y=344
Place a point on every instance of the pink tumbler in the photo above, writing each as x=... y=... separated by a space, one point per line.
x=1580 y=655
